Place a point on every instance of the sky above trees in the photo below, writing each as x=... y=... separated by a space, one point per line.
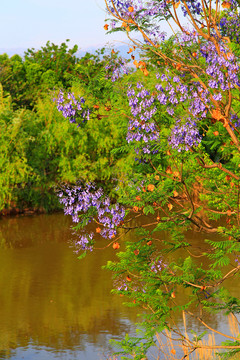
x=31 y=23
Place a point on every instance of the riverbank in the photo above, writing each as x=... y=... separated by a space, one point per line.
x=14 y=211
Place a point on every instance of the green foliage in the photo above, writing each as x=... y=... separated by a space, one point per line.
x=26 y=79
x=136 y=346
x=39 y=148
x=13 y=162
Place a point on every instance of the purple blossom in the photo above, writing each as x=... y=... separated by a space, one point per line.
x=117 y=68
x=79 y=200
x=72 y=108
x=217 y=97
x=141 y=127
x=230 y=24
x=170 y=111
x=184 y=135
x=157 y=265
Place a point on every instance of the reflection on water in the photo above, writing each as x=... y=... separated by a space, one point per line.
x=51 y=304
x=54 y=306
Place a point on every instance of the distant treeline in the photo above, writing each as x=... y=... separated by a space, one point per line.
x=39 y=148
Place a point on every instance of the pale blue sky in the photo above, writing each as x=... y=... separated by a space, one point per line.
x=31 y=23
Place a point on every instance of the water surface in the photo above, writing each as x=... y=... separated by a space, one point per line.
x=54 y=306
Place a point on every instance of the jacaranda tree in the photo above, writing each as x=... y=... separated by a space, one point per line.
x=184 y=129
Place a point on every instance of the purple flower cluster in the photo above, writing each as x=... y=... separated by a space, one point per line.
x=222 y=74
x=79 y=200
x=121 y=7
x=222 y=68
x=147 y=13
x=172 y=92
x=121 y=286
x=142 y=105
x=184 y=135
x=230 y=26
x=235 y=120
x=194 y=7
x=72 y=108
x=157 y=265
x=187 y=37
x=117 y=68
x=222 y=71
x=141 y=12
x=237 y=260
x=214 y=65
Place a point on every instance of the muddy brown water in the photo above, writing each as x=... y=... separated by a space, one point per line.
x=54 y=306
